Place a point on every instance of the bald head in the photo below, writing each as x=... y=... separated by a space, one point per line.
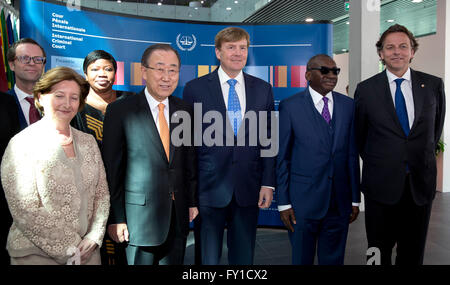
x=317 y=59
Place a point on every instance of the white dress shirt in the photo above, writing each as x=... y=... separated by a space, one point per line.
x=153 y=104
x=406 y=87
x=21 y=95
x=319 y=104
x=240 y=90
x=239 y=87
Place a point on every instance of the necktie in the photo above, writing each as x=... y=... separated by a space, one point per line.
x=325 y=111
x=234 y=107
x=400 y=107
x=163 y=129
x=34 y=115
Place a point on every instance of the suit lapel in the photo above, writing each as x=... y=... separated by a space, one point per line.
x=417 y=96
x=173 y=107
x=385 y=92
x=318 y=123
x=216 y=92
x=217 y=100
x=150 y=125
x=22 y=120
x=337 y=119
x=250 y=98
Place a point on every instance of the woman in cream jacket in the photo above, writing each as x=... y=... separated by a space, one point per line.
x=54 y=180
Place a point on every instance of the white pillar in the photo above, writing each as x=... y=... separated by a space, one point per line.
x=443 y=33
x=364 y=33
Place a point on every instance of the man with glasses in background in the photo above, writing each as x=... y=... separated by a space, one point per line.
x=318 y=167
x=152 y=182
x=26 y=58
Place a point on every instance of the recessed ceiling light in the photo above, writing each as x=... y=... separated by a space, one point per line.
x=417 y=1
x=159 y=3
x=119 y=1
x=309 y=19
x=390 y=21
x=348 y=23
x=228 y=8
x=236 y=2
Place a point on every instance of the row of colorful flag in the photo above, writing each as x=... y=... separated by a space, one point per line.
x=9 y=34
x=277 y=76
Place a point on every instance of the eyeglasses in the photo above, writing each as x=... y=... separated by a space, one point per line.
x=161 y=71
x=25 y=59
x=325 y=70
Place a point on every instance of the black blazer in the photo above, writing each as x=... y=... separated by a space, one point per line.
x=139 y=175
x=9 y=127
x=9 y=120
x=384 y=147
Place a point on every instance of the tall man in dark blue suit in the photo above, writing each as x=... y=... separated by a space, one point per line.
x=318 y=167
x=399 y=119
x=233 y=180
x=26 y=58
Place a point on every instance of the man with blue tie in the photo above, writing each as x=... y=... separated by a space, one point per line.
x=234 y=181
x=26 y=58
x=318 y=167
x=399 y=118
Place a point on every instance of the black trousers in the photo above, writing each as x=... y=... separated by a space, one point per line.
x=171 y=252
x=404 y=224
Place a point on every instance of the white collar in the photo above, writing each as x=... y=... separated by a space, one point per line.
x=391 y=76
x=223 y=77
x=21 y=95
x=316 y=96
x=153 y=102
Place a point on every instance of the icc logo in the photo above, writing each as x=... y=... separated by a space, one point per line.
x=186 y=43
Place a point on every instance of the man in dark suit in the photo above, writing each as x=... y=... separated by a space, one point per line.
x=26 y=58
x=233 y=180
x=399 y=119
x=152 y=182
x=318 y=167
x=9 y=126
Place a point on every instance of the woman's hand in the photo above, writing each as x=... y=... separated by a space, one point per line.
x=86 y=247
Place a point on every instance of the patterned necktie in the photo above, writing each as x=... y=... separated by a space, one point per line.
x=34 y=115
x=400 y=107
x=163 y=129
x=325 y=112
x=234 y=107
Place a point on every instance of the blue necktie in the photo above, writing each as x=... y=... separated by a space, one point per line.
x=400 y=106
x=234 y=107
